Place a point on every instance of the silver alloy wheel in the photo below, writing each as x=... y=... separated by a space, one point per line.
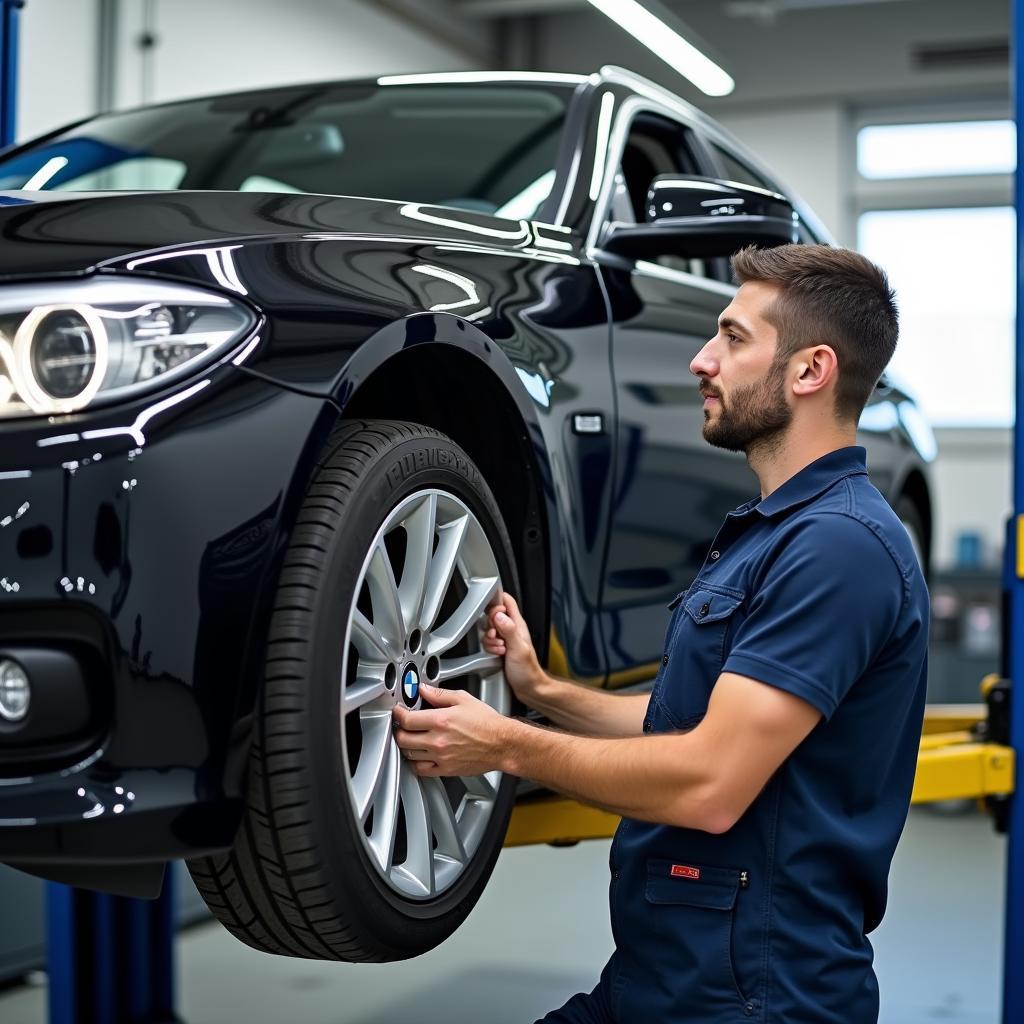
x=418 y=614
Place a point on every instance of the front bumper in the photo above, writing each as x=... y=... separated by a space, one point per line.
x=149 y=556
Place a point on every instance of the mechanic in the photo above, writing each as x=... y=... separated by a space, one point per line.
x=764 y=782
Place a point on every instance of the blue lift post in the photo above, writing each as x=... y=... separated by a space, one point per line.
x=1013 y=957
x=109 y=958
x=9 y=11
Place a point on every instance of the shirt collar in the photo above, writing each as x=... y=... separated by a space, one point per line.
x=810 y=481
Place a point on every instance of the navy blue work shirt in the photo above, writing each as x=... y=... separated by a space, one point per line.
x=816 y=590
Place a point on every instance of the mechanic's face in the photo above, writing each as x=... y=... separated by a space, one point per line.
x=742 y=383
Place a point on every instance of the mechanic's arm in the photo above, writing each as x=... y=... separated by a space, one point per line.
x=569 y=705
x=837 y=590
x=584 y=709
x=703 y=779
x=835 y=570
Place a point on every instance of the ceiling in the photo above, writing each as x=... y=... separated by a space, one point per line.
x=858 y=51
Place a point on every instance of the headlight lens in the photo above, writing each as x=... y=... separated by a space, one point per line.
x=65 y=346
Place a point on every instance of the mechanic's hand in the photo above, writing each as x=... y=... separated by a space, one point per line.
x=509 y=637
x=459 y=735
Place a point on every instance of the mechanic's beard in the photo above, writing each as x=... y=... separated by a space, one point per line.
x=757 y=416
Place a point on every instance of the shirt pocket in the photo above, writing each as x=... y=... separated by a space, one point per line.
x=691 y=910
x=694 y=657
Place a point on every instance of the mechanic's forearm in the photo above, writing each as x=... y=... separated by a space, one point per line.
x=585 y=709
x=664 y=778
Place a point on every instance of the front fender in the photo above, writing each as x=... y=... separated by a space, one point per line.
x=403 y=372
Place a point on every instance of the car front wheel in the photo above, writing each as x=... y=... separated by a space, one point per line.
x=344 y=852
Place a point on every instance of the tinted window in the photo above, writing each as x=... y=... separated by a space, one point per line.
x=150 y=173
x=736 y=170
x=655 y=145
x=483 y=147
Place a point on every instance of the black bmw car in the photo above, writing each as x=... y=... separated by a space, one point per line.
x=269 y=447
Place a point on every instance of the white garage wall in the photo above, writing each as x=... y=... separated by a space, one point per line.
x=206 y=47
x=973 y=484
x=57 y=64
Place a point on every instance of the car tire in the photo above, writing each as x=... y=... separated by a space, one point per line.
x=309 y=872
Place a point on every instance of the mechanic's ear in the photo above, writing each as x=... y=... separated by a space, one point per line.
x=816 y=368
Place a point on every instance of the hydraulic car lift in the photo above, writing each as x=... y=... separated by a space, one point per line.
x=111 y=959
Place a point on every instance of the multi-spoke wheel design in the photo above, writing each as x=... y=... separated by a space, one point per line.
x=421 y=597
x=343 y=851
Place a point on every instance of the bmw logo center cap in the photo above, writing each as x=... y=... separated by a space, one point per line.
x=410 y=685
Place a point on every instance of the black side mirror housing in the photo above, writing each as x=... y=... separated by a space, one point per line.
x=695 y=217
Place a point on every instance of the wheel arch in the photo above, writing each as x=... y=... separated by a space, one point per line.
x=443 y=372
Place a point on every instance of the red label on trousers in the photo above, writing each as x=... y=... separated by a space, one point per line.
x=682 y=871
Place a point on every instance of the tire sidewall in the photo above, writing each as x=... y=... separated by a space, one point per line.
x=433 y=461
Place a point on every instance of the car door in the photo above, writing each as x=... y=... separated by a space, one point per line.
x=671 y=489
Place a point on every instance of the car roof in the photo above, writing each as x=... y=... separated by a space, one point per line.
x=609 y=73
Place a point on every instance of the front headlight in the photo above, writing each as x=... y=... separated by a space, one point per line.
x=68 y=345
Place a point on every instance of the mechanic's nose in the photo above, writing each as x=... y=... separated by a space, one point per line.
x=703 y=364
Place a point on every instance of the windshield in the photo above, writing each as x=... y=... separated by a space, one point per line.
x=490 y=147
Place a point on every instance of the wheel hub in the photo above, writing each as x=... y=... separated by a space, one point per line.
x=411 y=686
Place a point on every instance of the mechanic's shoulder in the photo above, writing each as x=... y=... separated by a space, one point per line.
x=871 y=534
x=827 y=523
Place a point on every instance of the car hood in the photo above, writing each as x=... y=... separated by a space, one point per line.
x=76 y=232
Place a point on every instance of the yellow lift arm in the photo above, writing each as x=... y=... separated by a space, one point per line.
x=958 y=760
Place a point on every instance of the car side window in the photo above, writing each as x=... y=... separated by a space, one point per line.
x=655 y=145
x=736 y=170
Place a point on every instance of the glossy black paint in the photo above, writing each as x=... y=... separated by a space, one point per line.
x=168 y=535
x=171 y=546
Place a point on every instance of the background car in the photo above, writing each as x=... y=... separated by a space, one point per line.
x=270 y=448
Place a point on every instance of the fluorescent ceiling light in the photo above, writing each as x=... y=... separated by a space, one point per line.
x=668 y=44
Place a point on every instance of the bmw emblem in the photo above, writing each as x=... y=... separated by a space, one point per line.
x=410 y=685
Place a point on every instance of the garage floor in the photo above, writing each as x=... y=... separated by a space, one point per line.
x=541 y=933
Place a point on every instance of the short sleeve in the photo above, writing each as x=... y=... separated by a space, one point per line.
x=824 y=610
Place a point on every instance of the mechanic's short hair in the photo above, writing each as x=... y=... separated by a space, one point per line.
x=829 y=296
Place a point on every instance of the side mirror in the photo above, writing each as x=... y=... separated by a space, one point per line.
x=695 y=217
